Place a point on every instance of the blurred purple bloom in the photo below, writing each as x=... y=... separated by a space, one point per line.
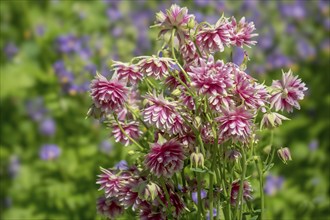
x=214 y=213
x=40 y=30
x=278 y=60
x=194 y=196
x=62 y=73
x=265 y=41
x=305 y=49
x=313 y=145
x=117 y=31
x=91 y=68
x=238 y=55
x=114 y=14
x=203 y=3
x=121 y=165
x=106 y=146
x=295 y=10
x=325 y=45
x=10 y=50
x=327 y=23
x=49 y=152
x=35 y=108
x=67 y=43
x=14 y=166
x=47 y=127
x=273 y=184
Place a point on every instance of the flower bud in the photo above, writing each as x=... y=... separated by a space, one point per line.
x=197 y=160
x=151 y=191
x=176 y=92
x=191 y=23
x=284 y=154
x=232 y=155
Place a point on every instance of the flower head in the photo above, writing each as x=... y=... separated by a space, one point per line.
x=211 y=77
x=241 y=32
x=235 y=123
x=156 y=67
x=165 y=159
x=107 y=95
x=213 y=38
x=287 y=92
x=127 y=71
x=272 y=120
x=159 y=112
x=273 y=184
x=109 y=208
x=247 y=190
x=47 y=127
x=284 y=154
x=49 y=152
x=131 y=129
x=110 y=182
x=175 y=18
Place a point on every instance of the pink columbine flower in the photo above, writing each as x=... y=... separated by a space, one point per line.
x=235 y=123
x=287 y=92
x=241 y=32
x=126 y=71
x=218 y=102
x=213 y=38
x=107 y=95
x=165 y=159
x=178 y=125
x=110 y=182
x=173 y=83
x=175 y=18
x=247 y=191
x=131 y=129
x=128 y=195
x=109 y=208
x=189 y=52
x=157 y=67
x=160 y=112
x=253 y=94
x=150 y=212
x=211 y=77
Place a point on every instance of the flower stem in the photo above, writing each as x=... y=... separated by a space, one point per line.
x=239 y=203
x=261 y=187
x=200 y=205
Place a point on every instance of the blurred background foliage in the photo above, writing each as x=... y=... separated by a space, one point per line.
x=50 y=50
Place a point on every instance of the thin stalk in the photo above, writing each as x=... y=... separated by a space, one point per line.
x=122 y=130
x=261 y=187
x=200 y=205
x=211 y=176
x=167 y=195
x=240 y=193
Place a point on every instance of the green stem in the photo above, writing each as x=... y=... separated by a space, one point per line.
x=200 y=205
x=261 y=187
x=167 y=195
x=239 y=203
x=122 y=130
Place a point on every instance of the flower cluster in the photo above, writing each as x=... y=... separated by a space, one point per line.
x=189 y=118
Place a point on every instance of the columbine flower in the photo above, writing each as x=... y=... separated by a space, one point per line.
x=287 y=92
x=49 y=152
x=273 y=184
x=165 y=159
x=211 y=78
x=247 y=190
x=175 y=18
x=218 y=102
x=157 y=67
x=272 y=120
x=178 y=126
x=121 y=165
x=241 y=33
x=149 y=212
x=235 y=123
x=253 y=95
x=213 y=38
x=107 y=95
x=131 y=129
x=232 y=155
x=110 y=182
x=128 y=195
x=160 y=112
x=189 y=52
x=109 y=208
x=127 y=71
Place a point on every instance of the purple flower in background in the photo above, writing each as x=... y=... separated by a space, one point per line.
x=91 y=68
x=39 y=30
x=305 y=49
x=273 y=184
x=214 y=213
x=14 y=166
x=313 y=145
x=47 y=127
x=61 y=71
x=67 y=43
x=35 y=108
x=106 y=146
x=238 y=55
x=194 y=196
x=49 y=152
x=203 y=3
x=278 y=60
x=114 y=14
x=294 y=10
x=10 y=50
x=121 y=165
x=265 y=41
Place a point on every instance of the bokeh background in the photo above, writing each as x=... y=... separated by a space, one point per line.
x=50 y=51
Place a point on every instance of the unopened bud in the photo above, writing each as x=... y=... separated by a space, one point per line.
x=151 y=191
x=197 y=160
x=191 y=23
x=94 y=112
x=176 y=92
x=232 y=155
x=284 y=154
x=197 y=122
